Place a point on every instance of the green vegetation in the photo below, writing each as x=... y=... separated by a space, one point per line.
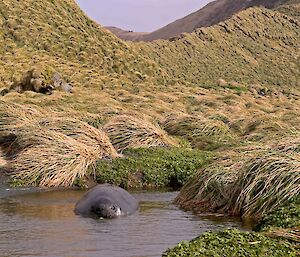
x=287 y=216
x=279 y=236
x=151 y=168
x=232 y=243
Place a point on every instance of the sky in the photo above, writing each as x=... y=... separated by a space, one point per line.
x=139 y=15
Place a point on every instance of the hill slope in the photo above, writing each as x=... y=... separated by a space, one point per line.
x=59 y=30
x=209 y=15
x=255 y=46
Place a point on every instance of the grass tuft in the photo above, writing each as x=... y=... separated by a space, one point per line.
x=265 y=183
x=250 y=182
x=54 y=151
x=130 y=132
x=203 y=133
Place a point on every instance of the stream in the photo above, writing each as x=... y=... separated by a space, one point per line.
x=42 y=223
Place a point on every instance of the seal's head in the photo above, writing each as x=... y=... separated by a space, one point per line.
x=104 y=208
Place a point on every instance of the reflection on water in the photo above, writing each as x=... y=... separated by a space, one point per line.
x=44 y=224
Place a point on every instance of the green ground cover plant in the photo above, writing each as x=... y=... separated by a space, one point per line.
x=287 y=216
x=152 y=168
x=232 y=243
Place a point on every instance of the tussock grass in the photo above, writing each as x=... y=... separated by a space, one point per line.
x=130 y=132
x=288 y=145
x=207 y=192
x=211 y=187
x=14 y=117
x=266 y=127
x=251 y=182
x=201 y=132
x=57 y=160
x=266 y=182
x=54 y=150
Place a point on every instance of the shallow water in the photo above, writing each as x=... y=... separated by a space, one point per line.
x=44 y=224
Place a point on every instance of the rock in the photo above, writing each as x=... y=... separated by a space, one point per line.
x=59 y=84
x=40 y=82
x=65 y=87
x=222 y=82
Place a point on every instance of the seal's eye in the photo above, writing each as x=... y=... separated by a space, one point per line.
x=97 y=210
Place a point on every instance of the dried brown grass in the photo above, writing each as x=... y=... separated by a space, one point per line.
x=288 y=145
x=211 y=188
x=58 y=160
x=290 y=234
x=265 y=183
x=248 y=182
x=130 y=132
x=55 y=150
x=265 y=127
x=14 y=117
x=200 y=131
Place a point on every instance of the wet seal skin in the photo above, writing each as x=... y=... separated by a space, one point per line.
x=106 y=201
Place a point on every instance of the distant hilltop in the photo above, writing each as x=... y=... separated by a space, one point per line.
x=209 y=15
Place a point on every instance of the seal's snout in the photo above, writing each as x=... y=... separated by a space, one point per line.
x=117 y=209
x=106 y=210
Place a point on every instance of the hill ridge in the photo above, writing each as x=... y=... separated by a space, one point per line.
x=211 y=14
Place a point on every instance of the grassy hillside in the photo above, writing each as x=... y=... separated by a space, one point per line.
x=255 y=46
x=262 y=49
x=211 y=14
x=58 y=34
x=291 y=8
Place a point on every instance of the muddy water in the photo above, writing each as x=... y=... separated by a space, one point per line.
x=43 y=224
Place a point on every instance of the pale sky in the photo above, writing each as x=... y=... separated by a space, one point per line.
x=139 y=15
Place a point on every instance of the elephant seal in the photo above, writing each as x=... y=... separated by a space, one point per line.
x=106 y=201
